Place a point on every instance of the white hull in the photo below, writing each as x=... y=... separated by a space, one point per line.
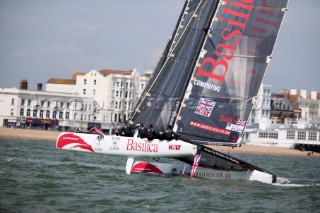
x=124 y=146
x=137 y=147
x=185 y=169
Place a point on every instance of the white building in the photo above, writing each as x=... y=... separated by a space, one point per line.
x=43 y=110
x=260 y=113
x=115 y=92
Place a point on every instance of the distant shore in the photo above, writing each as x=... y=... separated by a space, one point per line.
x=51 y=136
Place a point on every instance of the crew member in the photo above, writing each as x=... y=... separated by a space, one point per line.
x=169 y=134
x=151 y=133
x=127 y=130
x=142 y=131
x=161 y=134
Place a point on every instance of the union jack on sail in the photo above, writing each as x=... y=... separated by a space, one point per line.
x=205 y=107
x=241 y=122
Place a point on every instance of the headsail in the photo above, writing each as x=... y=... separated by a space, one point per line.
x=185 y=15
x=169 y=83
x=229 y=70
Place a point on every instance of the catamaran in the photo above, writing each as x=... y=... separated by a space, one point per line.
x=204 y=86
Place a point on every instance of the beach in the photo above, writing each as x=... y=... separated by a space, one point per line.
x=51 y=136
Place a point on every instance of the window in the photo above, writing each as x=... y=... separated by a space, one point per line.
x=94 y=92
x=60 y=115
x=127 y=84
x=273 y=135
x=21 y=112
x=54 y=115
x=95 y=82
x=84 y=81
x=48 y=114
x=68 y=105
x=291 y=134
x=118 y=84
x=301 y=135
x=263 y=135
x=84 y=91
x=41 y=113
x=28 y=113
x=29 y=102
x=12 y=101
x=48 y=104
x=35 y=112
x=22 y=102
x=67 y=115
x=42 y=103
x=142 y=86
x=312 y=136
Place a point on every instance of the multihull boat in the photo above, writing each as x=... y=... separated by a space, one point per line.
x=203 y=86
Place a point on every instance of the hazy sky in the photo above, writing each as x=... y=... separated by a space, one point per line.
x=42 y=39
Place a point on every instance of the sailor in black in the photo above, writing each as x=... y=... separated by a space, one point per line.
x=142 y=131
x=161 y=134
x=151 y=133
x=127 y=130
x=169 y=134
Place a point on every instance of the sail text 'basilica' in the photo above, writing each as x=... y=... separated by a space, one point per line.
x=228 y=36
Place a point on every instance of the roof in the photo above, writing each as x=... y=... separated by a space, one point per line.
x=61 y=81
x=106 y=72
x=74 y=76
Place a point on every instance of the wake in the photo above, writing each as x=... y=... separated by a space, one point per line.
x=285 y=182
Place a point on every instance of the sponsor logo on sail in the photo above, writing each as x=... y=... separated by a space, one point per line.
x=216 y=67
x=207 y=85
x=210 y=128
x=205 y=107
x=237 y=127
x=227 y=119
x=141 y=146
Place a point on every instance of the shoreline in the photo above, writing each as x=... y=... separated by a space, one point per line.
x=51 y=136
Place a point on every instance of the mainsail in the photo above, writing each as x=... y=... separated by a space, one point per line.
x=212 y=68
x=167 y=86
x=229 y=70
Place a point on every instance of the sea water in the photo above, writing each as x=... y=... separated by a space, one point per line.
x=37 y=177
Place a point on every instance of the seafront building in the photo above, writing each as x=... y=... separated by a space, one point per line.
x=106 y=98
x=102 y=98
x=288 y=119
x=44 y=110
